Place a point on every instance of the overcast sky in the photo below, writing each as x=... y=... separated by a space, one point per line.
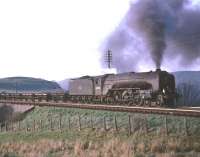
x=55 y=39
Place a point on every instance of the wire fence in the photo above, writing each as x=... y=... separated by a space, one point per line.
x=129 y=124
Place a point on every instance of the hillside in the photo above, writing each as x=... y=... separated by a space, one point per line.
x=188 y=87
x=192 y=77
x=27 y=84
x=64 y=84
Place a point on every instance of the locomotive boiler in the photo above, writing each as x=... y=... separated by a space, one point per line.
x=154 y=88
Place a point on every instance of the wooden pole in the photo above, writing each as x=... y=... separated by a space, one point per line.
x=129 y=124
x=91 y=122
x=34 y=125
x=60 y=122
x=79 y=122
x=40 y=123
x=6 y=126
x=19 y=125
x=146 y=124
x=166 y=126
x=27 y=127
x=104 y=123
x=186 y=126
x=2 y=127
x=51 y=123
x=116 y=126
x=11 y=125
x=69 y=123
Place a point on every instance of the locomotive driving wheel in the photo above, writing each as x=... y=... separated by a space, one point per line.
x=159 y=100
x=147 y=102
x=116 y=95
x=136 y=102
x=127 y=94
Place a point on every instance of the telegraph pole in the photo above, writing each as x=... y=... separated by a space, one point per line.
x=16 y=87
x=15 y=90
x=109 y=58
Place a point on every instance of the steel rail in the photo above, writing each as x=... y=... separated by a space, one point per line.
x=145 y=110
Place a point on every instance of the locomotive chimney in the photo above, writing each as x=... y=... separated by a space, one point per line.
x=158 y=70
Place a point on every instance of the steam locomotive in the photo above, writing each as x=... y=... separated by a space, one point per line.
x=154 y=88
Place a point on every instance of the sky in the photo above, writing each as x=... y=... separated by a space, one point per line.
x=55 y=39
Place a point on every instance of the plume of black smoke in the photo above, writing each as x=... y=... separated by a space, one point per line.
x=151 y=25
x=167 y=28
x=186 y=37
x=119 y=44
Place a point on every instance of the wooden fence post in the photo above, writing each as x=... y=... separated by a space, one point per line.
x=9 y=126
x=146 y=124
x=12 y=126
x=51 y=123
x=91 y=122
x=60 y=122
x=34 y=125
x=41 y=126
x=1 y=127
x=79 y=122
x=186 y=126
x=166 y=126
x=6 y=126
x=116 y=126
x=19 y=125
x=69 y=123
x=104 y=123
x=27 y=127
x=129 y=124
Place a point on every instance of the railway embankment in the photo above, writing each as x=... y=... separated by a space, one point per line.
x=13 y=112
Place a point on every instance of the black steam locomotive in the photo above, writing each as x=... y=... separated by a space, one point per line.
x=154 y=88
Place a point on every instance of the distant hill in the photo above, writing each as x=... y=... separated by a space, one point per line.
x=192 y=77
x=188 y=87
x=28 y=84
x=64 y=84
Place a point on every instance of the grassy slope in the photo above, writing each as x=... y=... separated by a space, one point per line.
x=88 y=142
x=188 y=87
x=154 y=121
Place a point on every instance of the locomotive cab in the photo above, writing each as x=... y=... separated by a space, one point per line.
x=167 y=87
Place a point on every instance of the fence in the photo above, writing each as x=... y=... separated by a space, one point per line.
x=129 y=124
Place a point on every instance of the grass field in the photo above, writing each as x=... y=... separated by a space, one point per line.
x=97 y=142
x=154 y=123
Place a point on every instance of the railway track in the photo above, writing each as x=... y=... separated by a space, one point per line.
x=146 y=110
